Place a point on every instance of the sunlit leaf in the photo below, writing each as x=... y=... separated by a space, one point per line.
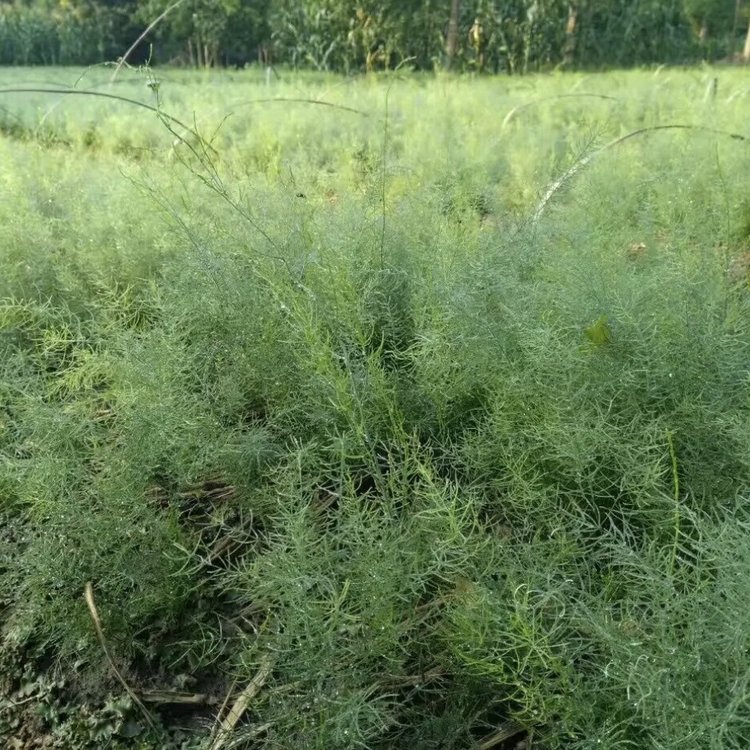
x=599 y=333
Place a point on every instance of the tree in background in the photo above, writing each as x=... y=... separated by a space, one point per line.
x=350 y=36
x=713 y=23
x=205 y=33
x=746 y=49
x=65 y=32
x=634 y=32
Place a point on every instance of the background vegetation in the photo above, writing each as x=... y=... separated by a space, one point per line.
x=355 y=35
x=334 y=414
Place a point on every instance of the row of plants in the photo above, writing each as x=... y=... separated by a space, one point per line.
x=348 y=36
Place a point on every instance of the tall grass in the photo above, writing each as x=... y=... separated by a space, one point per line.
x=480 y=477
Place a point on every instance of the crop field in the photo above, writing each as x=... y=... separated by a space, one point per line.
x=388 y=412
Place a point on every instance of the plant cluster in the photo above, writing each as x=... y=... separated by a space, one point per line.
x=346 y=435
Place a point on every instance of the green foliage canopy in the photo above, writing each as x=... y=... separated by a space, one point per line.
x=357 y=35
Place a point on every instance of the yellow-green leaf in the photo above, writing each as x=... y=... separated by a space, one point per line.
x=599 y=333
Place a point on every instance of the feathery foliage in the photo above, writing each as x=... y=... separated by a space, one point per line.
x=472 y=476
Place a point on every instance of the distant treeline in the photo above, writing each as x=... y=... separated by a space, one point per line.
x=357 y=35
